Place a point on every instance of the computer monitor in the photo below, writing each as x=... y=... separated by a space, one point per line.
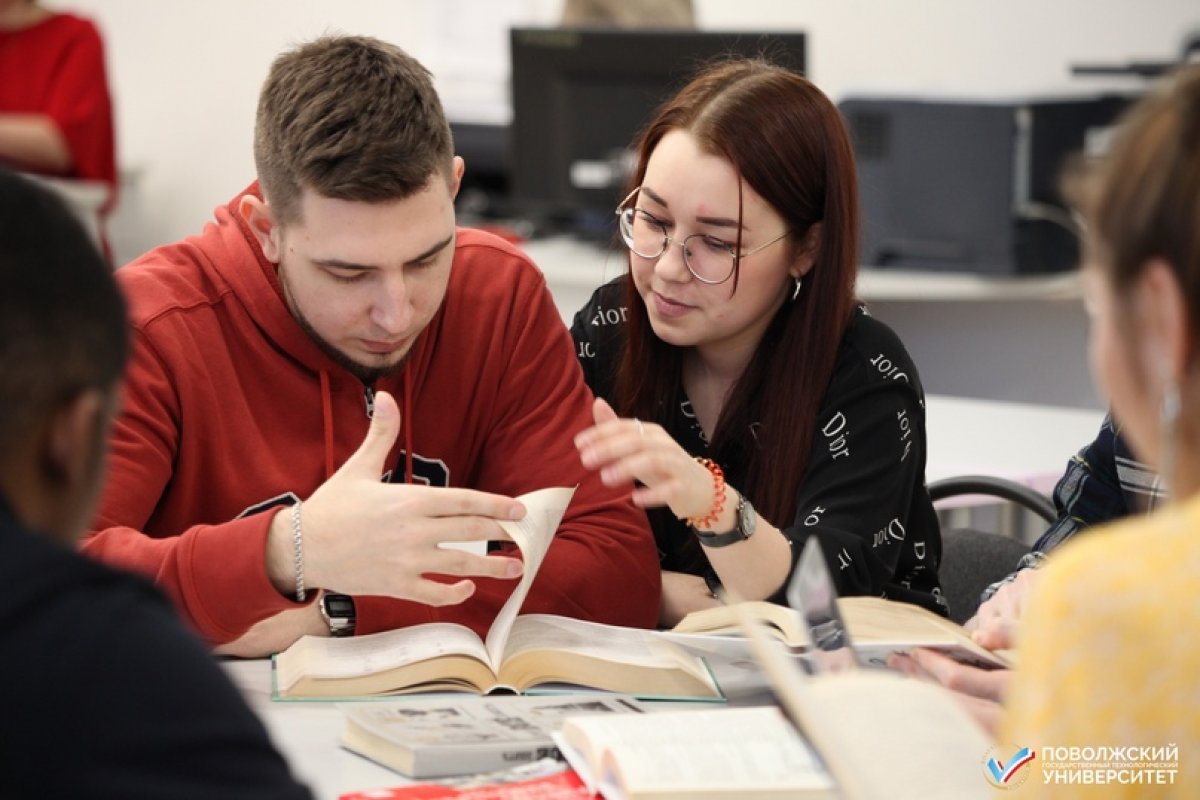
x=580 y=96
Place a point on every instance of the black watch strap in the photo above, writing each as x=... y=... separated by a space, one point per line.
x=719 y=539
x=744 y=523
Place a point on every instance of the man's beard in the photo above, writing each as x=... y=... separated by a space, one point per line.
x=367 y=374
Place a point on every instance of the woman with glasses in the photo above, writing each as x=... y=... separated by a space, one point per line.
x=756 y=402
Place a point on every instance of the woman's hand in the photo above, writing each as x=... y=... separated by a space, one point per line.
x=629 y=450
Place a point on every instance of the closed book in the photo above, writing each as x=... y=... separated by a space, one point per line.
x=455 y=735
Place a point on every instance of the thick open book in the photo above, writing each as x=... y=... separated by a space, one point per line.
x=455 y=735
x=710 y=754
x=879 y=733
x=877 y=626
x=535 y=651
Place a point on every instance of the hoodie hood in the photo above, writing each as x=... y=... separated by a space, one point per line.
x=258 y=289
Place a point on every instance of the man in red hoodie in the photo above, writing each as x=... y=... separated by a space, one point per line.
x=333 y=327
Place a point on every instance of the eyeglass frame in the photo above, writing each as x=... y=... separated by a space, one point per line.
x=669 y=240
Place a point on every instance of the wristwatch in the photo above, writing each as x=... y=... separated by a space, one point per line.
x=338 y=612
x=746 y=522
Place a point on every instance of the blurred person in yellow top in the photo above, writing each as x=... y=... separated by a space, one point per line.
x=1108 y=673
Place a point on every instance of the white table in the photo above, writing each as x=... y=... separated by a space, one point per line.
x=1030 y=444
x=307 y=735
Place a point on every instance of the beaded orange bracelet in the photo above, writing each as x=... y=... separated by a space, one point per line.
x=718 y=476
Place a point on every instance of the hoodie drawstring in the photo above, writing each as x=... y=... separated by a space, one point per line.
x=406 y=421
x=327 y=410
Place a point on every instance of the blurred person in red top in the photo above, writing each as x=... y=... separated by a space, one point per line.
x=55 y=109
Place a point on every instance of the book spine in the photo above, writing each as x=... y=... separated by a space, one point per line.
x=431 y=762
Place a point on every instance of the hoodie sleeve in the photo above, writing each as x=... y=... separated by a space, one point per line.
x=215 y=574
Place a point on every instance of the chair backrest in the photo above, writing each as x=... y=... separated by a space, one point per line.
x=972 y=559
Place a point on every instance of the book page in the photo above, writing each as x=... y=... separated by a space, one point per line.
x=880 y=627
x=881 y=731
x=882 y=734
x=544 y=509
x=877 y=626
x=551 y=652
x=701 y=751
x=721 y=620
x=592 y=639
x=324 y=657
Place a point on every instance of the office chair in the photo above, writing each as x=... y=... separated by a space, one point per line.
x=974 y=559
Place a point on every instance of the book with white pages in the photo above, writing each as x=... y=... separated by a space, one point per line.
x=707 y=754
x=522 y=654
x=456 y=735
x=879 y=732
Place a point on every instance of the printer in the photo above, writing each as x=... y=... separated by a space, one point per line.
x=971 y=186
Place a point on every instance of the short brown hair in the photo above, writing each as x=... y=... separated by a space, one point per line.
x=352 y=118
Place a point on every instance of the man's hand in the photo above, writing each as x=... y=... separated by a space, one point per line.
x=363 y=536
x=994 y=625
x=276 y=633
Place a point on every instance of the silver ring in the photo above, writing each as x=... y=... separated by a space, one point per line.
x=641 y=427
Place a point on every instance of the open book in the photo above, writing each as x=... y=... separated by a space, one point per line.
x=880 y=734
x=709 y=754
x=878 y=627
x=519 y=654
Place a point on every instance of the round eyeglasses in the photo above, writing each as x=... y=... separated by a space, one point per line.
x=709 y=259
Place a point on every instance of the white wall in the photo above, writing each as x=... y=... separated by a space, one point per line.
x=185 y=75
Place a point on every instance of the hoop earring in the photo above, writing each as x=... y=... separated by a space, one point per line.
x=1168 y=421
x=796 y=291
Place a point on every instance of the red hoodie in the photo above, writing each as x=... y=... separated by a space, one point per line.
x=228 y=405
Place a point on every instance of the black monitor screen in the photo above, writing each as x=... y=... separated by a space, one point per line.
x=580 y=96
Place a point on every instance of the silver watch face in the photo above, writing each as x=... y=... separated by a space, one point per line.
x=747 y=518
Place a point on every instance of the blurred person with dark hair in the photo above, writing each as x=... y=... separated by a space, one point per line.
x=107 y=694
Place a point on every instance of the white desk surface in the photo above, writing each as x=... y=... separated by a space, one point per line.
x=1028 y=443
x=307 y=734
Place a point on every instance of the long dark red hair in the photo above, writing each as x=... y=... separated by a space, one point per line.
x=788 y=142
